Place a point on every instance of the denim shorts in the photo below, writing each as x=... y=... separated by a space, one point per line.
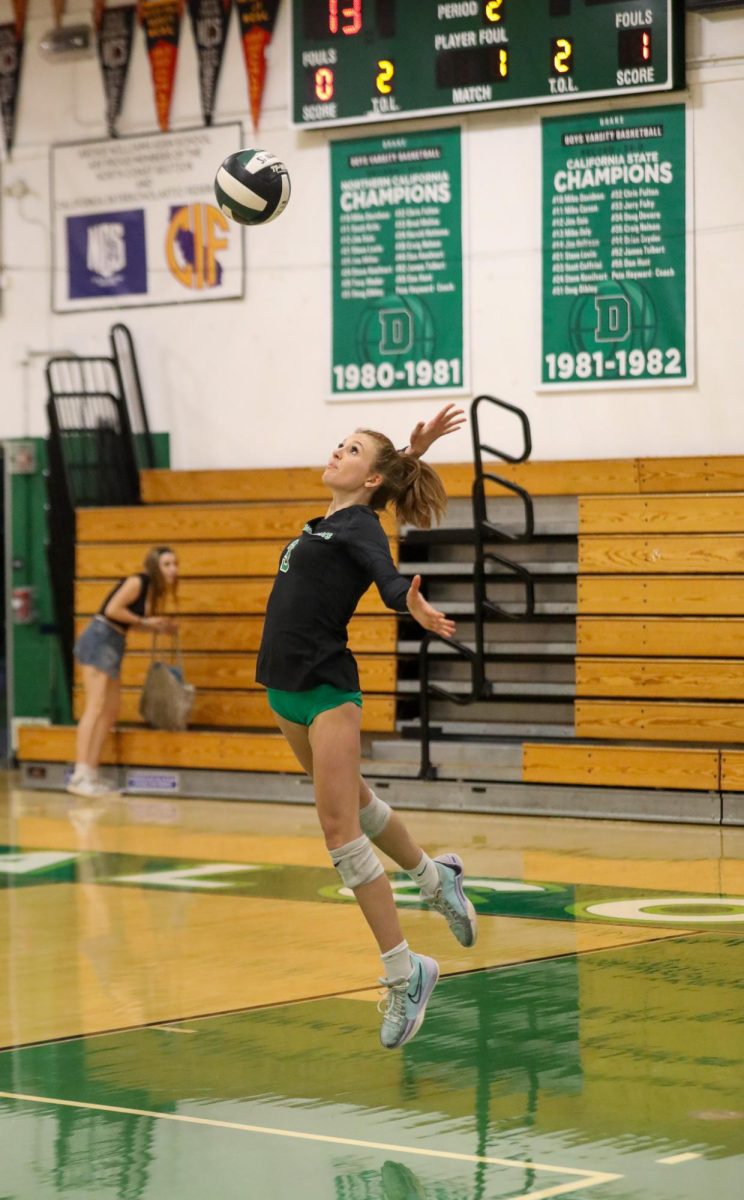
x=102 y=647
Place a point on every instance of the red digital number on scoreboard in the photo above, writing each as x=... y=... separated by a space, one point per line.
x=344 y=18
x=325 y=84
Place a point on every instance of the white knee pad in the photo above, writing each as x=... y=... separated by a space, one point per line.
x=356 y=862
x=374 y=817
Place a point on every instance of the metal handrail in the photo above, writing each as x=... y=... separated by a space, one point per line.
x=92 y=455
x=481 y=519
x=427 y=770
x=130 y=387
x=479 y=446
x=486 y=532
x=74 y=375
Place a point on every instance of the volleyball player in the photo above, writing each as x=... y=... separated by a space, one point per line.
x=135 y=602
x=313 y=689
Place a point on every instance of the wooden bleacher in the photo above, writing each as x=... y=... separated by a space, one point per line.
x=659 y=628
x=209 y=750
x=623 y=766
x=732 y=771
x=228 y=558
x=565 y=478
x=659 y=632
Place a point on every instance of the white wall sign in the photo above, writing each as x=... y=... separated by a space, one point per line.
x=135 y=221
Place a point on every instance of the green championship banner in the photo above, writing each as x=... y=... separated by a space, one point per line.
x=616 y=270
x=397 y=265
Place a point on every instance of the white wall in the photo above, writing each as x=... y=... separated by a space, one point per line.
x=243 y=383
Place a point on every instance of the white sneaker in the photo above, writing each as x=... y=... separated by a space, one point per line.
x=86 y=787
x=404 y=1005
x=450 y=899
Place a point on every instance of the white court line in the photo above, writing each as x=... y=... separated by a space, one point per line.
x=168 y=1029
x=678 y=1158
x=586 y=1178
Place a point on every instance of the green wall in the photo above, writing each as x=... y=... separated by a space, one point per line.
x=34 y=659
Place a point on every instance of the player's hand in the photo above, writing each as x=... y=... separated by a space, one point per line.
x=421 y=611
x=425 y=433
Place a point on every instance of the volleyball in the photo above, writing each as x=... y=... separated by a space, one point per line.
x=252 y=187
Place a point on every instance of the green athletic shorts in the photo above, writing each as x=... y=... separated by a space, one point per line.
x=303 y=707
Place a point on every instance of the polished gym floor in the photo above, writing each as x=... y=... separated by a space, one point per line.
x=190 y=1011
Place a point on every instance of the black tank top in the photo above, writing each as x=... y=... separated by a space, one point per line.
x=137 y=606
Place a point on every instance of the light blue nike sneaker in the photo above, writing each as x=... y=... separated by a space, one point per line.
x=406 y=1001
x=450 y=900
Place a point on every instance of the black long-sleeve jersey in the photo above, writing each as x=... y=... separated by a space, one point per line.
x=322 y=576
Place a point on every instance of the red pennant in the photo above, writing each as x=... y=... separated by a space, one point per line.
x=58 y=8
x=255 y=42
x=161 y=21
x=257 y=20
x=19 y=12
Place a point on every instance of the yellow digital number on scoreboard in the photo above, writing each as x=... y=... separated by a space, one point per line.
x=562 y=49
x=494 y=10
x=384 y=81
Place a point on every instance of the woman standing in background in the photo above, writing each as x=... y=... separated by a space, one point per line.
x=135 y=602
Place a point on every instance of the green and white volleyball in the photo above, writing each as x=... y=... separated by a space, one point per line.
x=252 y=187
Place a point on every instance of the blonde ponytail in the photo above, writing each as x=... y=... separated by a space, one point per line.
x=413 y=487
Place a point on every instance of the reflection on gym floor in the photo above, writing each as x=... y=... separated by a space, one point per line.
x=191 y=1009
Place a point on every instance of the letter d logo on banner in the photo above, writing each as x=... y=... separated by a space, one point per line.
x=613 y=318
x=396 y=331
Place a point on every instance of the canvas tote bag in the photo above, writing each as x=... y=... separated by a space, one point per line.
x=166 y=700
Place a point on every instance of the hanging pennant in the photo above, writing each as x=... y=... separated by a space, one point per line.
x=257 y=19
x=114 y=29
x=161 y=21
x=58 y=9
x=11 y=55
x=210 y=22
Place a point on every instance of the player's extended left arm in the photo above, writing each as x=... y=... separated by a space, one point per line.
x=396 y=591
x=423 y=435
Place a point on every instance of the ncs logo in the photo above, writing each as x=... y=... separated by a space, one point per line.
x=196 y=235
x=107 y=255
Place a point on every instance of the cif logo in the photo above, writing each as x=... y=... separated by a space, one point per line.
x=195 y=237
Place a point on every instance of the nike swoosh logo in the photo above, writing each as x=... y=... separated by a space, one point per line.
x=414 y=997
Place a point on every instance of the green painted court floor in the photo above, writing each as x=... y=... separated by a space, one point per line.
x=189 y=1011
x=613 y=1075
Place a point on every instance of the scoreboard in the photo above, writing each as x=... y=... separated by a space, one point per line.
x=357 y=61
